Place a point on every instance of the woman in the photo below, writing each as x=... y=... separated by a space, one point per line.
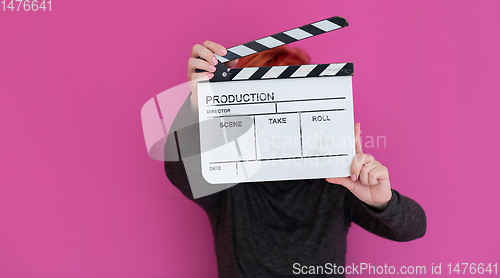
x=274 y=229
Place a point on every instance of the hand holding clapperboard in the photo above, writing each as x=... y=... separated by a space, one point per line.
x=277 y=123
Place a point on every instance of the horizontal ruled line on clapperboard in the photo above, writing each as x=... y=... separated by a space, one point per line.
x=276 y=101
x=280 y=158
x=260 y=114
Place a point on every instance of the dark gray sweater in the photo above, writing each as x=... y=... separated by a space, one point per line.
x=262 y=228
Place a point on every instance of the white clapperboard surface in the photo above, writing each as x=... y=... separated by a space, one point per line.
x=277 y=123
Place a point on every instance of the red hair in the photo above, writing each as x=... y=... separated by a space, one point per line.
x=279 y=56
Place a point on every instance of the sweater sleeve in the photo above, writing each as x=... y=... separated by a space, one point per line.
x=403 y=220
x=183 y=141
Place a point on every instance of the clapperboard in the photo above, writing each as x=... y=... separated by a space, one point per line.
x=277 y=123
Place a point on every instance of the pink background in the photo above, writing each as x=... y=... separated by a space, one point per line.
x=79 y=196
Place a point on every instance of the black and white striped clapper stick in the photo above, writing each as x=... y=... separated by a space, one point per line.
x=292 y=35
x=281 y=72
x=282 y=38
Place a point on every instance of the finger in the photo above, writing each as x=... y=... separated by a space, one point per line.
x=359 y=160
x=204 y=53
x=201 y=76
x=357 y=135
x=365 y=171
x=372 y=176
x=378 y=174
x=231 y=64
x=194 y=64
x=215 y=48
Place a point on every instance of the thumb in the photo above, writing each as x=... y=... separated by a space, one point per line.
x=344 y=181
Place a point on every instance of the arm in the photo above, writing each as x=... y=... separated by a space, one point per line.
x=403 y=219
x=372 y=204
x=183 y=141
x=182 y=148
